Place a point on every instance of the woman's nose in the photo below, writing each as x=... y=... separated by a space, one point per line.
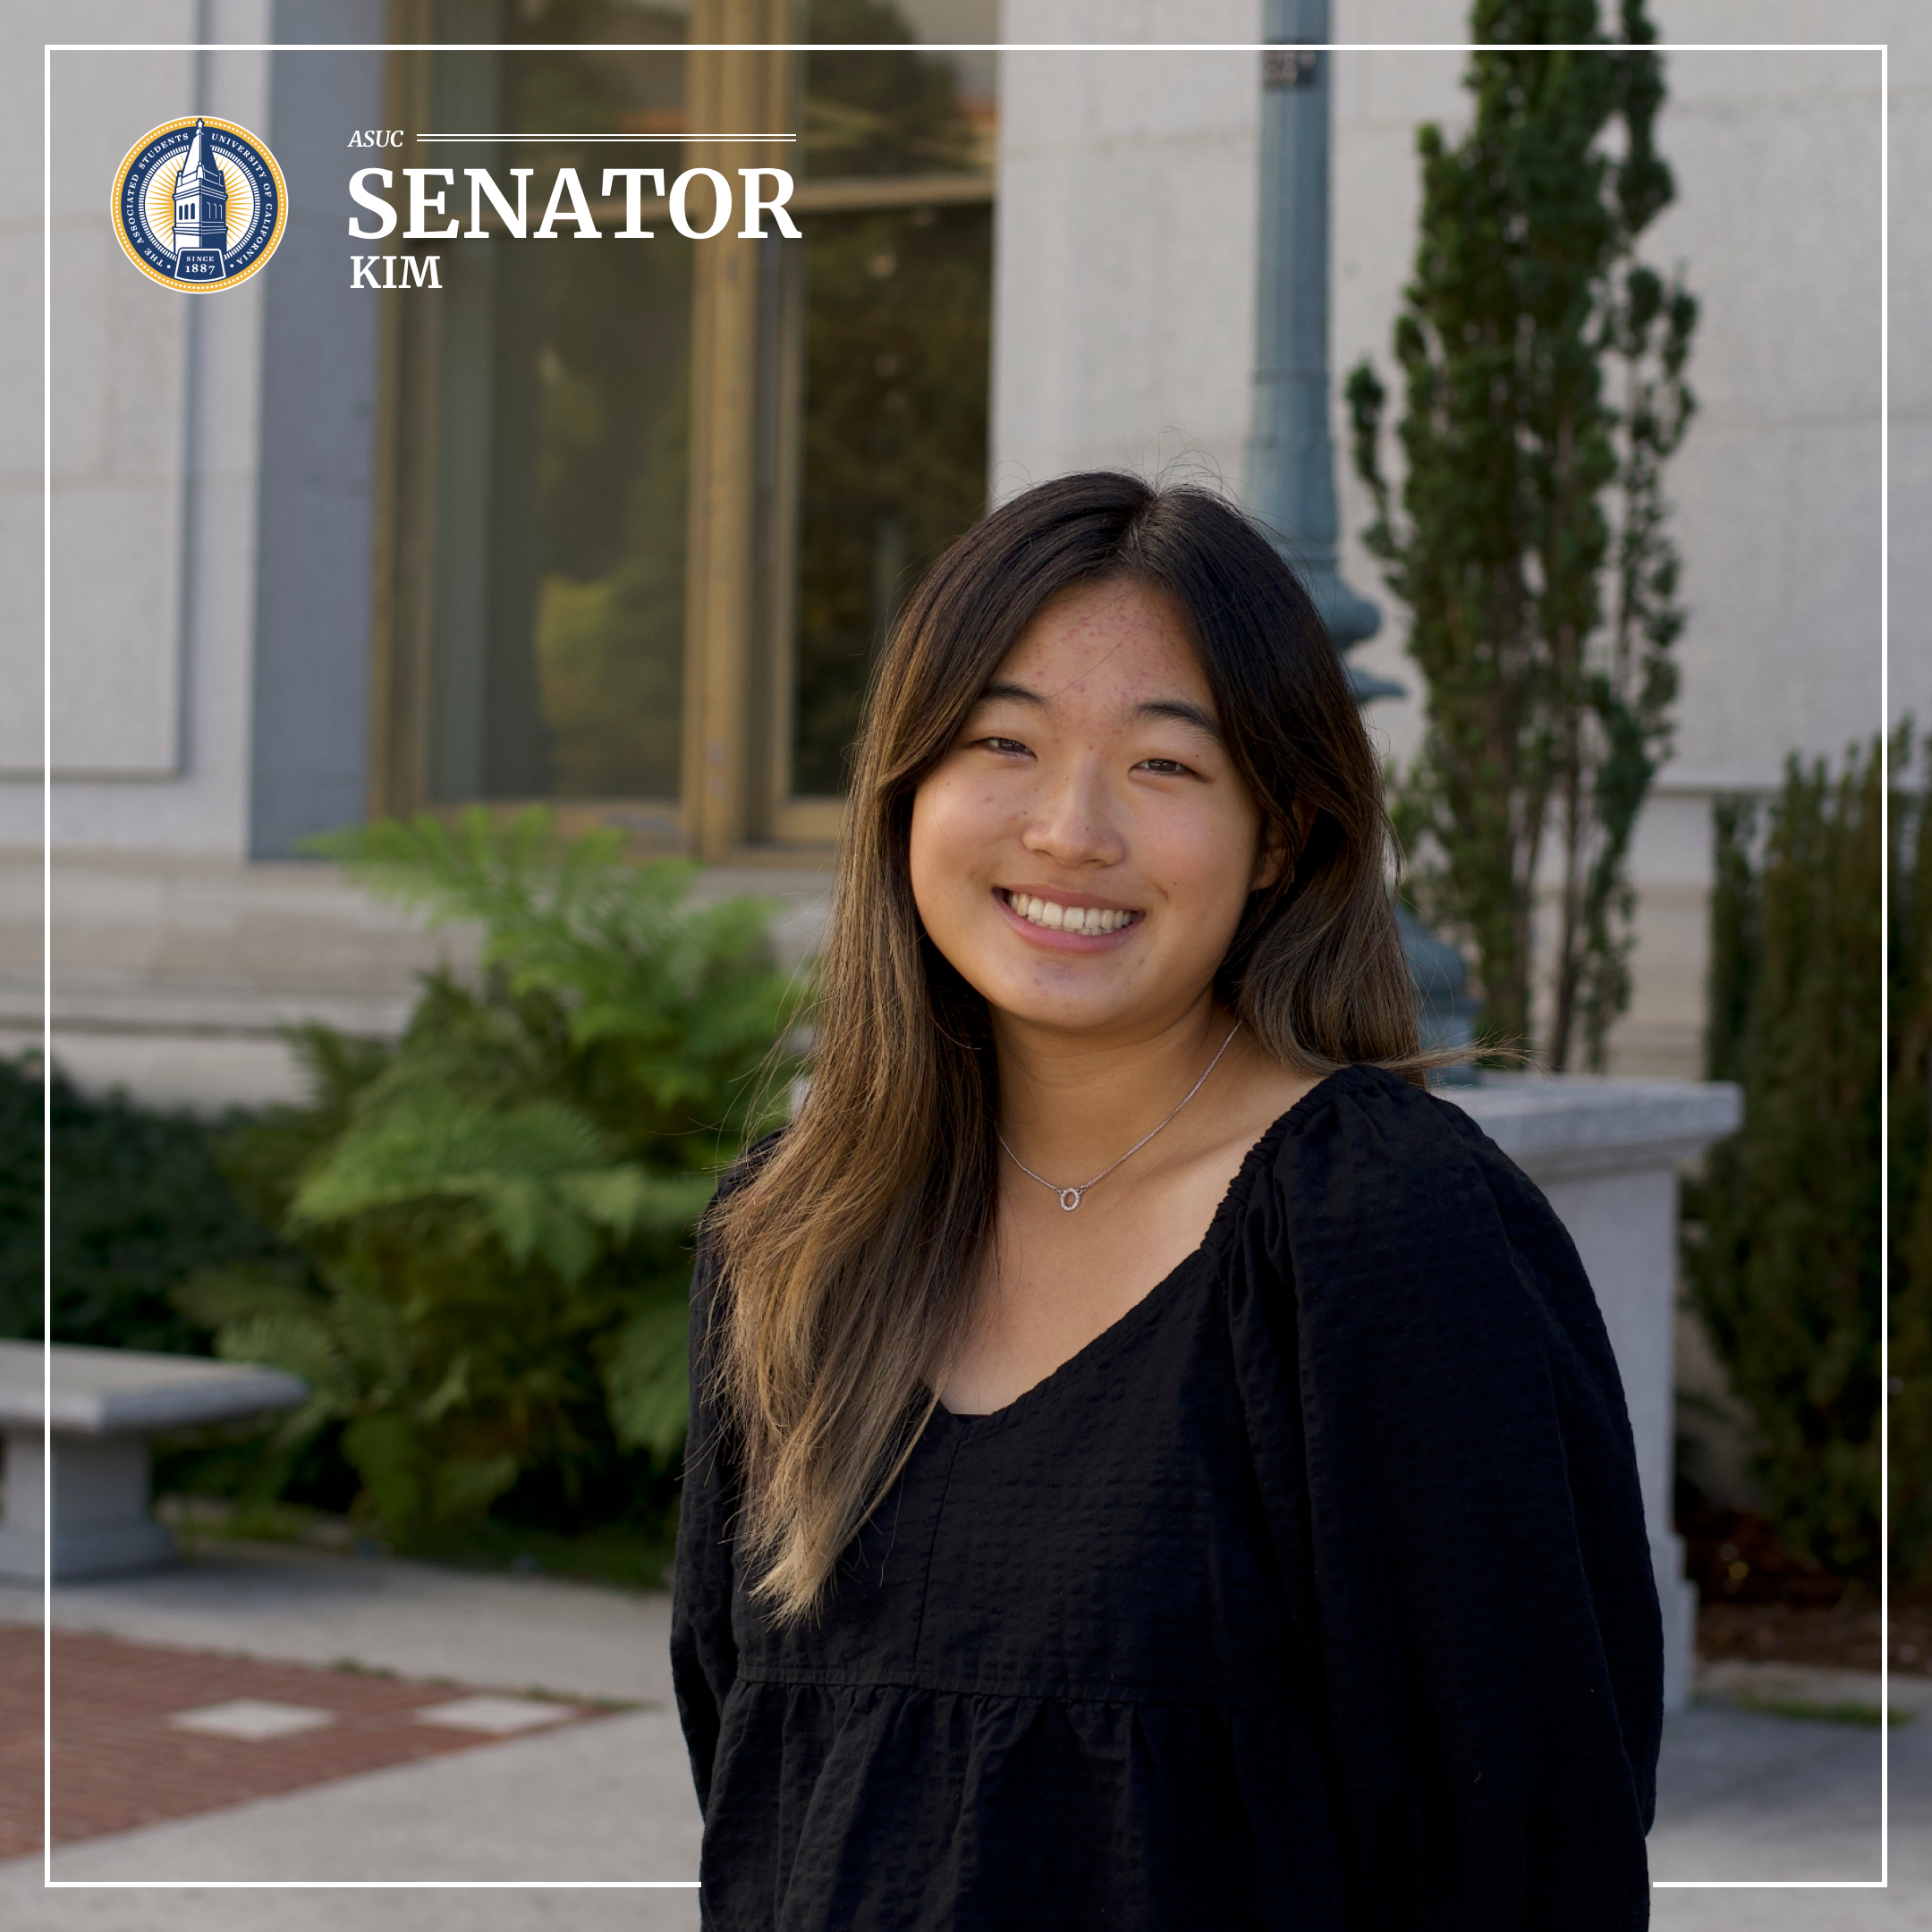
x=1074 y=822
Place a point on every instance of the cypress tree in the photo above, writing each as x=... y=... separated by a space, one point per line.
x=1530 y=547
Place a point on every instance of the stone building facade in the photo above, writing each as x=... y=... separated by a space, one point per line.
x=283 y=544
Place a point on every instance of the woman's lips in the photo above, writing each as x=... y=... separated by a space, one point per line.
x=1058 y=939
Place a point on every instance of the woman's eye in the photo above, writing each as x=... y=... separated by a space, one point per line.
x=1166 y=767
x=1003 y=744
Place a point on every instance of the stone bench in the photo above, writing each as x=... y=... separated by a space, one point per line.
x=1607 y=1153
x=107 y=1403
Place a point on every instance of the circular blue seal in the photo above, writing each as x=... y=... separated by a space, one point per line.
x=198 y=204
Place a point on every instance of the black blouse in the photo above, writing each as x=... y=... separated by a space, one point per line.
x=1314 y=1593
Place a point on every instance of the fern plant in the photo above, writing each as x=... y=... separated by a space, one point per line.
x=494 y=1212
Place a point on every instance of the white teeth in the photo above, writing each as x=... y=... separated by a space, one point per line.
x=1091 y=920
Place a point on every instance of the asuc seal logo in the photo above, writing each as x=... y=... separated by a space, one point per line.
x=199 y=203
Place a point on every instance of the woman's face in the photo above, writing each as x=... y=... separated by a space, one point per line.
x=1083 y=852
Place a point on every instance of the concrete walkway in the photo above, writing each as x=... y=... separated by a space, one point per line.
x=1745 y=1795
x=306 y=1606
x=618 y=1805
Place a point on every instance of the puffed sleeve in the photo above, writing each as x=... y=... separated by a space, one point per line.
x=704 y=1651
x=1447 y=1468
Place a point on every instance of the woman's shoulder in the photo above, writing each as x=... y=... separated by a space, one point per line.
x=1374 y=1113
x=1397 y=1230
x=1378 y=1168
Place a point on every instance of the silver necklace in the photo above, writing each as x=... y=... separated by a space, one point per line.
x=1069 y=1196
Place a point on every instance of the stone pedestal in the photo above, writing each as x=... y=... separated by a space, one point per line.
x=106 y=1404
x=1607 y=1153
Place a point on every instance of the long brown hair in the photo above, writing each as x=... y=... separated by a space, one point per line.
x=846 y=1260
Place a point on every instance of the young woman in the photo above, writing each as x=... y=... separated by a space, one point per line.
x=1151 y=1463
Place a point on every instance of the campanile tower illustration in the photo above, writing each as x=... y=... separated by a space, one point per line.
x=200 y=199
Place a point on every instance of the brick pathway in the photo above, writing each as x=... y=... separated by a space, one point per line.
x=119 y=1760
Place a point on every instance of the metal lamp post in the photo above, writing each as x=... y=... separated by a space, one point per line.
x=1291 y=454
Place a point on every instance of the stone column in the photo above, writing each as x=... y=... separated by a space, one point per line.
x=1606 y=1154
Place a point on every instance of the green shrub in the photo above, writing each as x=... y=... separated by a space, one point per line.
x=1783 y=1236
x=138 y=1203
x=1910 y=1149
x=493 y=1215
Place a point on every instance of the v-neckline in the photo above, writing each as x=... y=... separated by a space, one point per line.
x=1148 y=1305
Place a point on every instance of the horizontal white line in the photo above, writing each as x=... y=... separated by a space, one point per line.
x=691 y=1884
x=957 y=46
x=607 y=137
x=370 y=1885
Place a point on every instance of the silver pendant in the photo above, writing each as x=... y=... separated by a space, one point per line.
x=1070 y=1198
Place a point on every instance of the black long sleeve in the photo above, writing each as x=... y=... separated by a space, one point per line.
x=1440 y=1433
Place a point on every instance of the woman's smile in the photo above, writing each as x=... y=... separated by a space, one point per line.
x=1066 y=921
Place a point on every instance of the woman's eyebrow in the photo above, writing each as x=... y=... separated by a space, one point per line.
x=1177 y=708
x=1183 y=713
x=1017 y=693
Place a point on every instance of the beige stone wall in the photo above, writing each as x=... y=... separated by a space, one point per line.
x=156 y=458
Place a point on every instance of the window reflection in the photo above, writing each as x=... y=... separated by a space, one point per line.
x=558 y=626
x=897 y=326
x=898 y=312
x=899 y=113
x=545 y=410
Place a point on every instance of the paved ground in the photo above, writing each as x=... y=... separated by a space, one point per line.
x=609 y=1800
x=144 y=1732
x=1746 y=1794
x=510 y=1632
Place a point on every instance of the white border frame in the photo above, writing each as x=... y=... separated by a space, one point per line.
x=882 y=47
